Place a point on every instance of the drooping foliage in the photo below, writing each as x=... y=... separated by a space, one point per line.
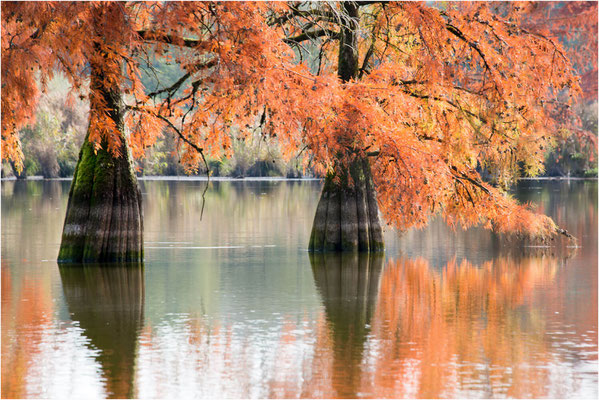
x=73 y=37
x=444 y=91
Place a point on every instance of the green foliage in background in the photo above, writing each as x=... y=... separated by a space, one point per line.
x=51 y=143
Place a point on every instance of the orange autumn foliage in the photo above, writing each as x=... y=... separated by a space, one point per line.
x=74 y=38
x=442 y=92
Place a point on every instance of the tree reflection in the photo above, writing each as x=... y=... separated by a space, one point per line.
x=407 y=329
x=26 y=303
x=349 y=285
x=500 y=324
x=108 y=301
x=463 y=329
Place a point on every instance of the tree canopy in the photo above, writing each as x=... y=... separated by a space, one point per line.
x=442 y=91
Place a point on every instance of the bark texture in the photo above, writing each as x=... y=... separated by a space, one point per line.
x=104 y=221
x=347 y=215
x=347 y=64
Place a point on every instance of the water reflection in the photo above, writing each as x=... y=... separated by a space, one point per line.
x=108 y=303
x=234 y=214
x=349 y=286
x=26 y=310
x=448 y=314
x=467 y=330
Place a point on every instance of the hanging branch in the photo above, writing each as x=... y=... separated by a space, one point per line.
x=186 y=140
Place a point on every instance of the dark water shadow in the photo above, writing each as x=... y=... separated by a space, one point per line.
x=108 y=302
x=349 y=286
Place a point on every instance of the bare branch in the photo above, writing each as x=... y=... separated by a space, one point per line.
x=457 y=33
x=173 y=88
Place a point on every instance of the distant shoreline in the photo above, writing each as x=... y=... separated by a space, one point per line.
x=560 y=178
x=179 y=178
x=265 y=178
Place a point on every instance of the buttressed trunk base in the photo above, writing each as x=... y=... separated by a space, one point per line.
x=347 y=216
x=103 y=222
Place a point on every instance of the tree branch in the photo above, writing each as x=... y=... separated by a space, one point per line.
x=367 y=3
x=321 y=15
x=457 y=33
x=173 y=88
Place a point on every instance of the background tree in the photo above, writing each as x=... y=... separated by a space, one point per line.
x=51 y=144
x=435 y=94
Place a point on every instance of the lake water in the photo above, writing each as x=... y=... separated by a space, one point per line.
x=231 y=304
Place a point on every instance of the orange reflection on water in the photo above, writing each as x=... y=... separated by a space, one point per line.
x=26 y=312
x=462 y=328
x=403 y=330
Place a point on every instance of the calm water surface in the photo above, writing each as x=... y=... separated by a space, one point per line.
x=231 y=305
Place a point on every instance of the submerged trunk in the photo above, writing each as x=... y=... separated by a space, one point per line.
x=347 y=216
x=103 y=222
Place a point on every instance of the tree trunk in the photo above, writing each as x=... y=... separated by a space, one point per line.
x=347 y=216
x=347 y=64
x=103 y=222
